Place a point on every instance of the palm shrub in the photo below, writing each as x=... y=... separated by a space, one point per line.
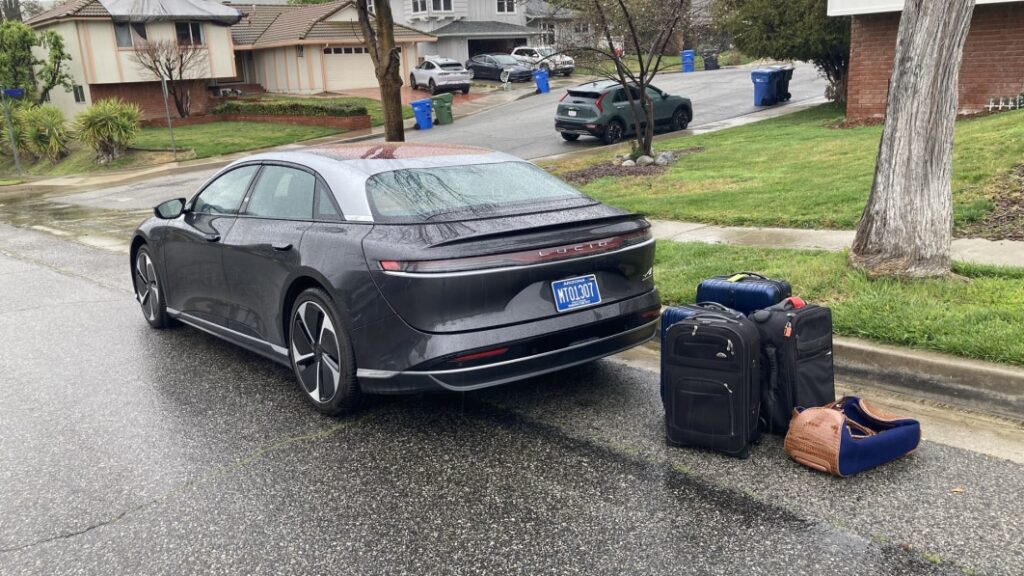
x=44 y=132
x=16 y=123
x=108 y=127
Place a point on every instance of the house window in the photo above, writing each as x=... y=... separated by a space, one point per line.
x=419 y=6
x=547 y=35
x=506 y=6
x=189 y=33
x=130 y=35
x=370 y=7
x=581 y=27
x=79 y=93
x=442 y=5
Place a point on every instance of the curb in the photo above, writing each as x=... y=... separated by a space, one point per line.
x=961 y=382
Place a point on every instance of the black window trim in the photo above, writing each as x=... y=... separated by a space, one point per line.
x=316 y=194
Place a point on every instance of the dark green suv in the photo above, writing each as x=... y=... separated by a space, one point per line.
x=602 y=109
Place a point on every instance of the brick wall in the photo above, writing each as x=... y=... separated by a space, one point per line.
x=149 y=97
x=340 y=122
x=993 y=63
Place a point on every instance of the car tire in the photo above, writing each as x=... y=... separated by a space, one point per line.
x=432 y=86
x=613 y=132
x=465 y=90
x=567 y=73
x=680 y=119
x=570 y=137
x=472 y=73
x=412 y=82
x=321 y=354
x=149 y=290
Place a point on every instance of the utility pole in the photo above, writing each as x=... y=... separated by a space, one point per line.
x=167 y=112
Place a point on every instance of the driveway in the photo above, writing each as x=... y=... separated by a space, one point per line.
x=525 y=128
x=126 y=450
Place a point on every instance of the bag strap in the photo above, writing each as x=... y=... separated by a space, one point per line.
x=714 y=306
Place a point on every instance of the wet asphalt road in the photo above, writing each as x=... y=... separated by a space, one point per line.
x=126 y=450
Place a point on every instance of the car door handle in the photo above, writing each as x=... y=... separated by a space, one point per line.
x=281 y=246
x=211 y=237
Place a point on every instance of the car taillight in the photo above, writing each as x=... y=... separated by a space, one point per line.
x=479 y=355
x=599 y=101
x=521 y=258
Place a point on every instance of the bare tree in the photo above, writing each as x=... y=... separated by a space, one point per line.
x=379 y=36
x=179 y=63
x=907 y=226
x=644 y=28
x=10 y=9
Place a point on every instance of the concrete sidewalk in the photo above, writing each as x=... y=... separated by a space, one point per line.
x=975 y=250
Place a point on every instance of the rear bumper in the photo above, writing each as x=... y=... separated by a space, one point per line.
x=584 y=349
x=580 y=127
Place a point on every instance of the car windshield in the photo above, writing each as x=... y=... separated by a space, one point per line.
x=450 y=193
x=545 y=51
x=451 y=66
x=505 y=60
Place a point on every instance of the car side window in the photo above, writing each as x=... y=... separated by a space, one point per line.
x=490 y=61
x=224 y=195
x=325 y=206
x=428 y=66
x=620 y=96
x=282 y=192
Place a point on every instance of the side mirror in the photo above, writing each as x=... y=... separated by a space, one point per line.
x=664 y=95
x=170 y=210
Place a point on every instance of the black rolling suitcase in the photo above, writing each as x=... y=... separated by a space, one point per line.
x=796 y=366
x=710 y=378
x=675 y=314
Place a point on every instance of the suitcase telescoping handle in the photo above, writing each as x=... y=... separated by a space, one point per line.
x=715 y=306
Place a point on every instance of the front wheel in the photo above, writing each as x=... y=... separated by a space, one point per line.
x=412 y=82
x=321 y=355
x=567 y=73
x=613 y=132
x=149 y=290
x=432 y=86
x=465 y=90
x=570 y=137
x=680 y=119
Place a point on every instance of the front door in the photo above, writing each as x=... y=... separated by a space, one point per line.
x=193 y=253
x=261 y=252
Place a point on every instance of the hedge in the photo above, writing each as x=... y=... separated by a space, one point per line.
x=289 y=108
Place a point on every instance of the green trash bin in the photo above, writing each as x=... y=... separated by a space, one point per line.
x=443 y=108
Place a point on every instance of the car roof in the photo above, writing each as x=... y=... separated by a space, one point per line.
x=347 y=167
x=440 y=60
x=597 y=85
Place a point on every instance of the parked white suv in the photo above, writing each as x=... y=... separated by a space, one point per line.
x=440 y=74
x=545 y=58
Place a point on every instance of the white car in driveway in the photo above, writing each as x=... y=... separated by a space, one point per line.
x=439 y=75
x=545 y=58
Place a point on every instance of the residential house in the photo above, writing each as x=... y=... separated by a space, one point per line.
x=993 y=61
x=465 y=28
x=101 y=36
x=311 y=49
x=559 y=27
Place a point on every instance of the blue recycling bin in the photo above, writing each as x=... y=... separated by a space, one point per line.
x=764 y=86
x=423 y=110
x=540 y=78
x=688 y=58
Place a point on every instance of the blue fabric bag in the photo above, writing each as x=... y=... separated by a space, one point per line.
x=849 y=436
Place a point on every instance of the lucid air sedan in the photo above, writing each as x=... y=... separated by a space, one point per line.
x=399 y=268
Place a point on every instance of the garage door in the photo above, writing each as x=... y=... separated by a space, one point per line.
x=348 y=67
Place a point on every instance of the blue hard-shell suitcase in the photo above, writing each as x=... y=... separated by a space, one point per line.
x=744 y=291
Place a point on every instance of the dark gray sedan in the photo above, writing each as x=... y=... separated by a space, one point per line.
x=399 y=268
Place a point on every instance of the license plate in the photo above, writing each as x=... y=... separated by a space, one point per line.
x=575 y=293
x=572 y=112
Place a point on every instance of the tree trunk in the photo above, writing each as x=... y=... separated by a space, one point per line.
x=11 y=9
x=386 y=64
x=907 y=226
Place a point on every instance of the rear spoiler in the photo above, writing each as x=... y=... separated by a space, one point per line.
x=603 y=221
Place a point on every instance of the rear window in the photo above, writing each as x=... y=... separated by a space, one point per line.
x=452 y=66
x=449 y=193
x=582 y=94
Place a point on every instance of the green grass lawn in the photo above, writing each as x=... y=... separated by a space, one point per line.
x=977 y=319
x=226 y=137
x=372 y=106
x=798 y=171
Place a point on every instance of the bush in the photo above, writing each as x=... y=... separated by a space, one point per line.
x=44 y=132
x=16 y=122
x=108 y=127
x=290 y=108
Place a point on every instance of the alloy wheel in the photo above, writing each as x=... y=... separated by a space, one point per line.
x=315 y=352
x=147 y=290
